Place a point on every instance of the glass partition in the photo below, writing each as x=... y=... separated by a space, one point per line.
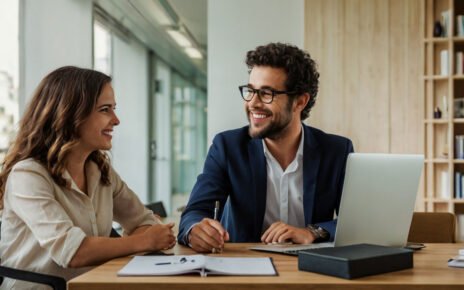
x=188 y=138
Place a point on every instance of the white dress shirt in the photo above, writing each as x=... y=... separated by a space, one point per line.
x=284 y=196
x=43 y=224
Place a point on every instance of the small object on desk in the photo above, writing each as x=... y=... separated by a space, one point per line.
x=437 y=113
x=415 y=246
x=355 y=261
x=457 y=261
x=204 y=265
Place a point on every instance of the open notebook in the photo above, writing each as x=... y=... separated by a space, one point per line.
x=204 y=265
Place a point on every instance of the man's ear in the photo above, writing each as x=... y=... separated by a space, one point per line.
x=301 y=101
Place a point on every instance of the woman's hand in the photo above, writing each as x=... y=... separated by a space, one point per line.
x=159 y=237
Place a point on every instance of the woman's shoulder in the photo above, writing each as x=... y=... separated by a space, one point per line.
x=31 y=165
x=30 y=173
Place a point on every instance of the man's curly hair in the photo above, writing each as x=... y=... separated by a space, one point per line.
x=301 y=69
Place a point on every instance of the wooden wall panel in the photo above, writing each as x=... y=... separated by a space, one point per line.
x=369 y=55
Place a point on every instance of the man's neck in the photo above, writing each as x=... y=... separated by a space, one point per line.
x=285 y=147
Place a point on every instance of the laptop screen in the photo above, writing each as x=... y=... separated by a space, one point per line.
x=378 y=198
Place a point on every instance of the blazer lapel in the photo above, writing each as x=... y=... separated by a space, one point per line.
x=258 y=171
x=311 y=160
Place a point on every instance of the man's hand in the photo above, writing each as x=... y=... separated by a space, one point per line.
x=208 y=235
x=280 y=232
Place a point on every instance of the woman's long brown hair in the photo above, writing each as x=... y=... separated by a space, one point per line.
x=48 y=129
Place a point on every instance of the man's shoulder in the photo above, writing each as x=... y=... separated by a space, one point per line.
x=234 y=135
x=328 y=141
x=324 y=136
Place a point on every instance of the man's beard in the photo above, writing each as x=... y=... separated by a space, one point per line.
x=275 y=128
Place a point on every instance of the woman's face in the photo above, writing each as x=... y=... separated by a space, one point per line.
x=96 y=132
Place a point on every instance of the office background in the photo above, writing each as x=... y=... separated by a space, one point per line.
x=370 y=57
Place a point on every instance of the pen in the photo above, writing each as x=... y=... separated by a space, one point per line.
x=216 y=210
x=181 y=261
x=215 y=217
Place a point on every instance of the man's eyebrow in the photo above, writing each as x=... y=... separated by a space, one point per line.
x=267 y=87
x=263 y=87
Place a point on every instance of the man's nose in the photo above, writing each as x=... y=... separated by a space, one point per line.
x=256 y=100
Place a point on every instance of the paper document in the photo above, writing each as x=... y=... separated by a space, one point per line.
x=204 y=265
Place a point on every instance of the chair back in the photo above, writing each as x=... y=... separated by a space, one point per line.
x=433 y=227
x=157 y=208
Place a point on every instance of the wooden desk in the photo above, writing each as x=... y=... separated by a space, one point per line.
x=430 y=272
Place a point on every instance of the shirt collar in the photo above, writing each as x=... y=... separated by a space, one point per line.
x=92 y=173
x=299 y=152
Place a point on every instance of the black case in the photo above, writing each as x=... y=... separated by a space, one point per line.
x=355 y=261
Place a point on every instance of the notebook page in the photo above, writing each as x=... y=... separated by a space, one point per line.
x=163 y=265
x=240 y=266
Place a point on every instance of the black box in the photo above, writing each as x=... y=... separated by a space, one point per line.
x=355 y=261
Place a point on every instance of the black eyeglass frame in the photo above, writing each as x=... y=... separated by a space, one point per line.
x=259 y=93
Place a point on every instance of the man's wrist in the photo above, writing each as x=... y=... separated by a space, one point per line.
x=188 y=240
x=319 y=234
x=187 y=235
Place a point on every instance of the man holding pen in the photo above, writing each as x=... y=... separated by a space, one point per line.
x=278 y=179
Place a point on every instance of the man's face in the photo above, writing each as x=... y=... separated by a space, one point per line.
x=268 y=120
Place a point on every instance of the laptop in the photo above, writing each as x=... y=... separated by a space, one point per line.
x=377 y=204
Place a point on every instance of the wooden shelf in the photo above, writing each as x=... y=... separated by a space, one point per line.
x=438 y=121
x=437 y=160
x=437 y=40
x=440 y=133
x=436 y=200
x=443 y=77
x=436 y=78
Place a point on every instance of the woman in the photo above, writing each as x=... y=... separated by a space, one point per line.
x=60 y=195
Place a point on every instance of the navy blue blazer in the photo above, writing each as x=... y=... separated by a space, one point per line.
x=235 y=174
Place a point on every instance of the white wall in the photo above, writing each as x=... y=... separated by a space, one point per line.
x=130 y=142
x=162 y=127
x=234 y=27
x=53 y=33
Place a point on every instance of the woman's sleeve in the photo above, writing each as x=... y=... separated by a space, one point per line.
x=128 y=210
x=31 y=196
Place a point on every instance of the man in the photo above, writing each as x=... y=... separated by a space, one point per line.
x=278 y=179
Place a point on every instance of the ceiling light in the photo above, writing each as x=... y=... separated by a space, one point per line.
x=153 y=11
x=192 y=52
x=180 y=38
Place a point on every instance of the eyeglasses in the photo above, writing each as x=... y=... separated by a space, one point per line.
x=265 y=95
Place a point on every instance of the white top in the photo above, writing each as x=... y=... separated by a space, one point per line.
x=284 y=196
x=44 y=224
